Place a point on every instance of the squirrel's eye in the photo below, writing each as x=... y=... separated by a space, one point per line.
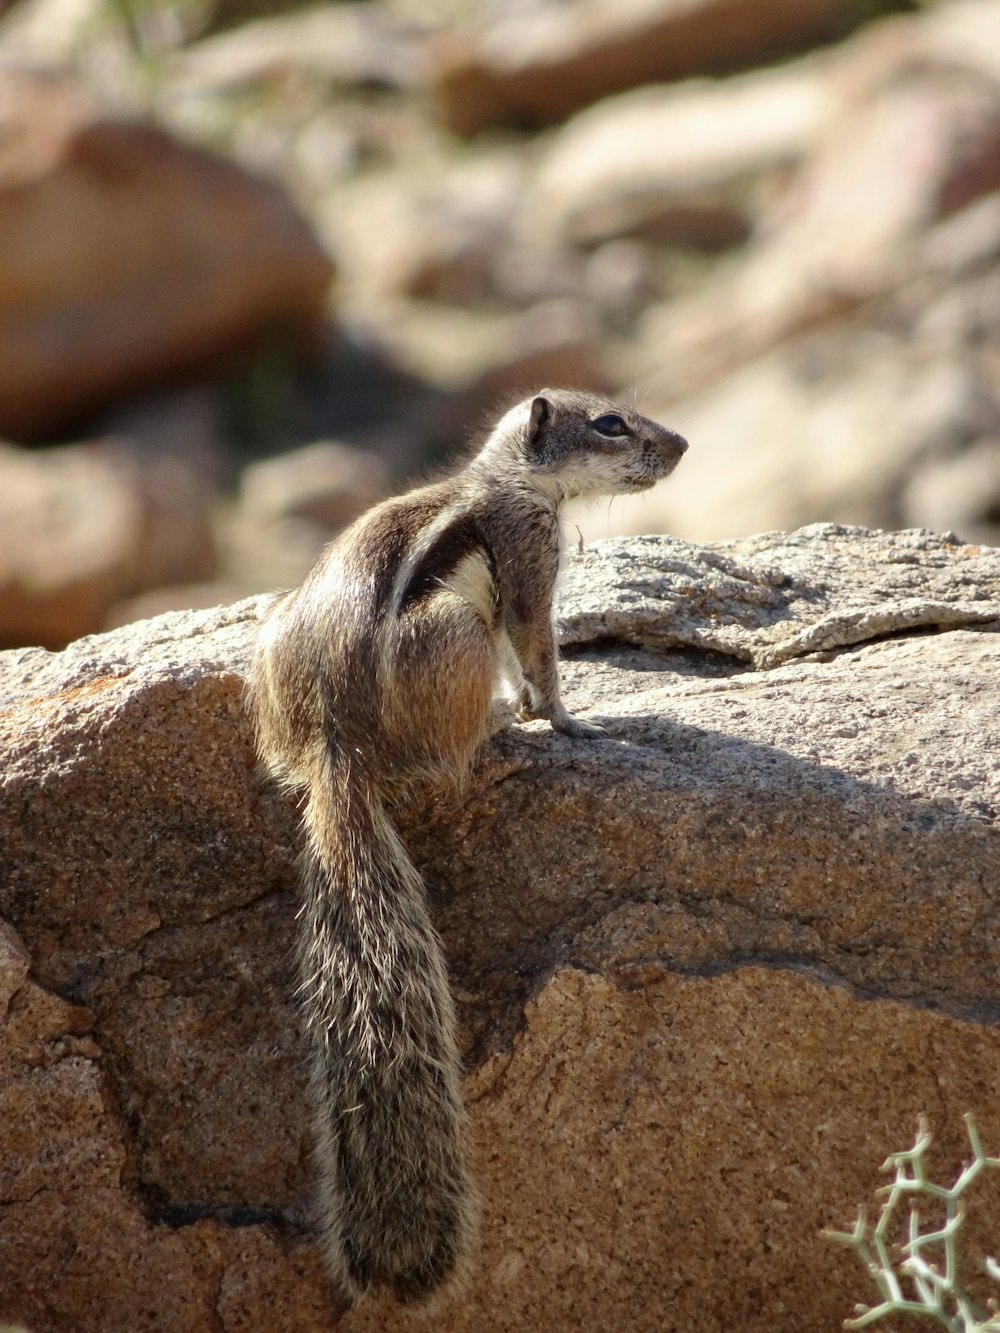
x=611 y=424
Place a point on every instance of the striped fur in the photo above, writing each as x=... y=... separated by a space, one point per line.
x=376 y=676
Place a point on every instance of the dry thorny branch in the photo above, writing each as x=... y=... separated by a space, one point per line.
x=923 y=1278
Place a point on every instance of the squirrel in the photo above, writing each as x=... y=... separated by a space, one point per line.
x=373 y=678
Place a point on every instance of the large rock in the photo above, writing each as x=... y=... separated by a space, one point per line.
x=710 y=970
x=131 y=258
x=433 y=230
x=845 y=365
x=543 y=62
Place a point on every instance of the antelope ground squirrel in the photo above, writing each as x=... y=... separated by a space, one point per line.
x=377 y=675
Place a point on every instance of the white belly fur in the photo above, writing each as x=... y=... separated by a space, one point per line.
x=472 y=581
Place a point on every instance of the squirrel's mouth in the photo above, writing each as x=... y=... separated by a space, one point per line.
x=655 y=469
x=644 y=482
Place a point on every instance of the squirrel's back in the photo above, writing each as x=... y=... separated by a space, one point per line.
x=386 y=648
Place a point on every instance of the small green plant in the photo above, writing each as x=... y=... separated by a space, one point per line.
x=923 y=1277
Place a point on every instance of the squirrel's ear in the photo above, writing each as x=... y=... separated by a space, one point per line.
x=541 y=414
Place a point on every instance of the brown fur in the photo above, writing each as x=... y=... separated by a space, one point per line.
x=375 y=675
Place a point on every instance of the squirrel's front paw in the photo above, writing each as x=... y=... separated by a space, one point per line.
x=574 y=726
x=558 y=717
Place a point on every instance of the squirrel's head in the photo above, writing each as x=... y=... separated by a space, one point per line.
x=578 y=444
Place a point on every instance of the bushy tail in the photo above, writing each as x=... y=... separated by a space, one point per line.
x=398 y=1205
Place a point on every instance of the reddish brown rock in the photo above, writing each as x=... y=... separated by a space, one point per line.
x=70 y=529
x=648 y=1102
x=131 y=258
x=709 y=970
x=85 y=525
x=143 y=1274
x=540 y=65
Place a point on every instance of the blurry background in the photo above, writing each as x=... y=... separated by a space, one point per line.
x=261 y=264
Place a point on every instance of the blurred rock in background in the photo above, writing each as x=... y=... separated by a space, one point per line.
x=131 y=258
x=83 y=527
x=780 y=236
x=288 y=506
x=541 y=63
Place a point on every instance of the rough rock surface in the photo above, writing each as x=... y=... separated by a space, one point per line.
x=130 y=257
x=710 y=970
